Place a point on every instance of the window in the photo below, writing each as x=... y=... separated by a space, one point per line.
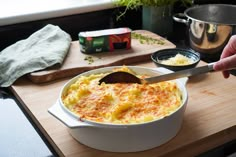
x=28 y=10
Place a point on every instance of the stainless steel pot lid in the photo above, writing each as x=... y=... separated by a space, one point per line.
x=213 y=13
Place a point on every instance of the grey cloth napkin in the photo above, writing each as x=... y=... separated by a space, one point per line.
x=44 y=48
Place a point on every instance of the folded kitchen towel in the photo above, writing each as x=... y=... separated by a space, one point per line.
x=44 y=48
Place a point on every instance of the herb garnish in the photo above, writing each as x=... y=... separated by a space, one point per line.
x=144 y=39
x=90 y=59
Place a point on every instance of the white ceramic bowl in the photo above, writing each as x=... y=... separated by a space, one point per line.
x=119 y=137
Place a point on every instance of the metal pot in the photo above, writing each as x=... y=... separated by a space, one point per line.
x=118 y=137
x=209 y=28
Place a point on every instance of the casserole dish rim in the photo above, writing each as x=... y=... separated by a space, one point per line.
x=158 y=70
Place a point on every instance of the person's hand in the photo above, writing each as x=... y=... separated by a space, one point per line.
x=228 y=58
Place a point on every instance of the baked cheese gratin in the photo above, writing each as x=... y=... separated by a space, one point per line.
x=121 y=103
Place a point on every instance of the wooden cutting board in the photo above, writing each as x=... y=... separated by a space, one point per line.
x=209 y=119
x=77 y=62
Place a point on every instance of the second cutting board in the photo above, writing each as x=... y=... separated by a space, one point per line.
x=77 y=62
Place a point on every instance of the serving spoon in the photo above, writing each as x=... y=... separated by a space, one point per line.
x=125 y=77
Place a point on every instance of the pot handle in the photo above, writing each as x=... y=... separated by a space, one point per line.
x=181 y=18
x=57 y=111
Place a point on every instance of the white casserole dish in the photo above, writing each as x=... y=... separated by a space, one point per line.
x=120 y=137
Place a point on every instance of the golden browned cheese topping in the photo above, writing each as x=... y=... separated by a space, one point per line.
x=121 y=103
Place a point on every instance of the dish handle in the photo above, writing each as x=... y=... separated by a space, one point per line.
x=57 y=111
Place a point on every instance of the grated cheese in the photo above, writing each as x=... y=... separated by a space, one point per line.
x=178 y=60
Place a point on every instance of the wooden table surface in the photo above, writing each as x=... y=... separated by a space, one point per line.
x=209 y=120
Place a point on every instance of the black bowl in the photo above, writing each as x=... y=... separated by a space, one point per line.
x=168 y=53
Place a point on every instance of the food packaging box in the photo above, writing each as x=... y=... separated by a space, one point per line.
x=105 y=40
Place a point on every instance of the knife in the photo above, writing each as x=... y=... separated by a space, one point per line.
x=180 y=74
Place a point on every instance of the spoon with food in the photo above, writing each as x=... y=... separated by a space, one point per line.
x=126 y=77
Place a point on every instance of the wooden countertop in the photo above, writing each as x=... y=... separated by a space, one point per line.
x=209 y=119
